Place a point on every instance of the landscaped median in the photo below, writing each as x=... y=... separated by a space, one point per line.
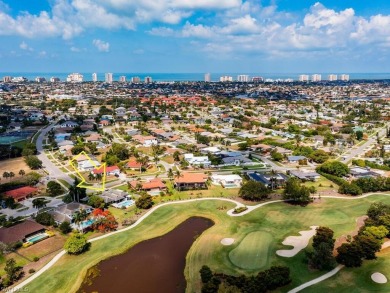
x=279 y=220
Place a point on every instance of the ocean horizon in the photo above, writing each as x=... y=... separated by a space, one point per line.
x=193 y=76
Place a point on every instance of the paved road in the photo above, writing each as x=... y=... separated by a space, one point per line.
x=52 y=169
x=354 y=153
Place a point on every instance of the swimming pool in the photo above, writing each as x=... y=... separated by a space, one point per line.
x=37 y=237
x=87 y=223
x=124 y=204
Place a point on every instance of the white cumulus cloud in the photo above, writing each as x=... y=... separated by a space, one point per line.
x=101 y=45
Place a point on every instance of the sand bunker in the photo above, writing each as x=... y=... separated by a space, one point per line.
x=299 y=242
x=379 y=278
x=227 y=241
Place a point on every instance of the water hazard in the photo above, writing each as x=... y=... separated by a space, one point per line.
x=155 y=265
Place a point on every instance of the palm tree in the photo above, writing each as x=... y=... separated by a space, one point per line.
x=79 y=216
x=22 y=172
x=11 y=174
x=99 y=176
x=170 y=174
x=91 y=176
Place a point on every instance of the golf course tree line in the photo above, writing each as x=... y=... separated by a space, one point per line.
x=335 y=171
x=370 y=238
x=321 y=257
x=265 y=281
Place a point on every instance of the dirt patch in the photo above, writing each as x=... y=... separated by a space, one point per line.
x=13 y=165
x=344 y=238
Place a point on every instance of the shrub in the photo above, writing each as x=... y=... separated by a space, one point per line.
x=31 y=271
x=76 y=244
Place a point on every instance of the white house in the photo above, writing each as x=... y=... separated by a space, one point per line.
x=227 y=181
x=197 y=161
x=68 y=124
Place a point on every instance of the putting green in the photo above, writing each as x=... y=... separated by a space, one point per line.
x=252 y=252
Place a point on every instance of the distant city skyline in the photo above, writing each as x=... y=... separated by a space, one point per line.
x=195 y=36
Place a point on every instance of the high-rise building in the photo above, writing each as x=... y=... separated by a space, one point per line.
x=54 y=79
x=148 y=79
x=257 y=79
x=344 y=77
x=75 y=77
x=135 y=79
x=332 y=77
x=316 y=77
x=225 y=78
x=109 y=77
x=303 y=77
x=40 y=79
x=7 y=78
x=122 y=78
x=19 y=79
x=94 y=77
x=243 y=78
x=207 y=77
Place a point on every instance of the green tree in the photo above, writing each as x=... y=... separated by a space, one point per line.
x=77 y=149
x=296 y=192
x=145 y=201
x=323 y=243
x=38 y=203
x=45 y=219
x=96 y=201
x=76 y=244
x=334 y=168
x=350 y=188
x=22 y=172
x=276 y=156
x=359 y=135
x=243 y=146
x=253 y=190
x=33 y=162
x=205 y=274
x=350 y=255
x=378 y=232
x=65 y=227
x=368 y=244
x=319 y=156
x=377 y=210
x=13 y=271
x=54 y=188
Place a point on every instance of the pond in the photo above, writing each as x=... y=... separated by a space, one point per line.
x=155 y=265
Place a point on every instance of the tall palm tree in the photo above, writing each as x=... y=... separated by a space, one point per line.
x=170 y=174
x=22 y=172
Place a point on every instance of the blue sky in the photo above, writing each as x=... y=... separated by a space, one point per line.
x=194 y=36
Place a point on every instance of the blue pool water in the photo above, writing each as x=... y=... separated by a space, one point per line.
x=37 y=238
x=87 y=223
x=125 y=203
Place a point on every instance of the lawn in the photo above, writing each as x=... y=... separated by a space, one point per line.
x=357 y=279
x=168 y=159
x=279 y=220
x=322 y=184
x=13 y=165
x=252 y=252
x=64 y=182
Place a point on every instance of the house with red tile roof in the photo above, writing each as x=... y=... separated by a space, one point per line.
x=21 y=193
x=188 y=181
x=154 y=184
x=110 y=171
